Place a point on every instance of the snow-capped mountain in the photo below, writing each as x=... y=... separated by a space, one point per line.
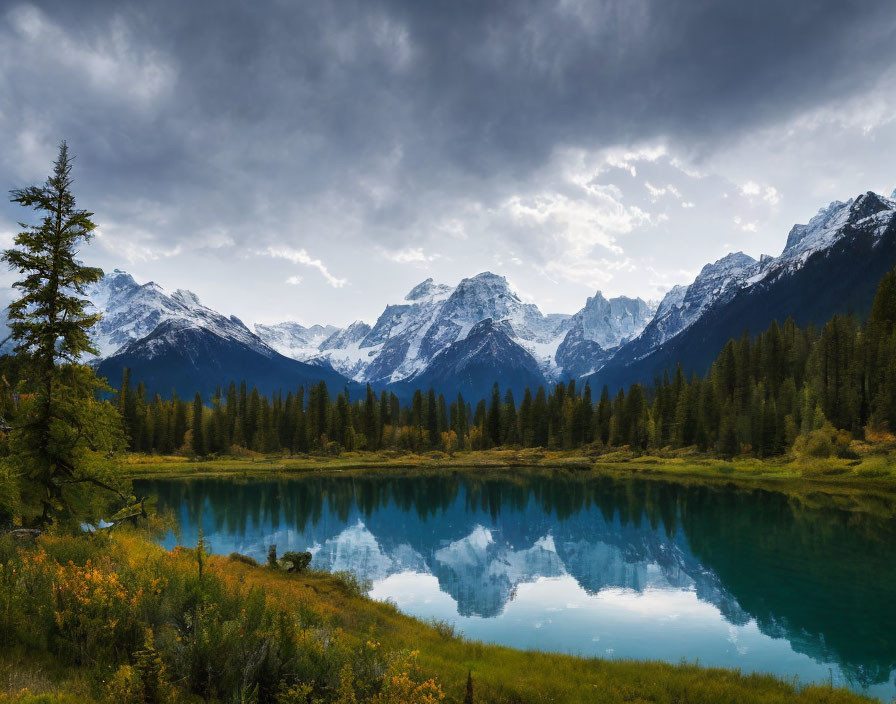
x=472 y=364
x=410 y=336
x=174 y=343
x=594 y=333
x=828 y=266
x=132 y=311
x=481 y=331
x=407 y=336
x=342 y=350
x=682 y=306
x=294 y=340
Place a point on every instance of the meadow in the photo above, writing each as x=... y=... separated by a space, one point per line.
x=114 y=618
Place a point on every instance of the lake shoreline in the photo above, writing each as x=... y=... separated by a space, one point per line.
x=335 y=499
x=499 y=673
x=873 y=475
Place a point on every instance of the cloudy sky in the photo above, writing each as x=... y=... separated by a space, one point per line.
x=314 y=160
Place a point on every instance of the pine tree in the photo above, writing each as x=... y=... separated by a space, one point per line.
x=199 y=447
x=527 y=429
x=151 y=670
x=179 y=423
x=432 y=418
x=587 y=420
x=493 y=421
x=540 y=419
x=509 y=424
x=63 y=430
x=602 y=417
x=126 y=404
x=371 y=425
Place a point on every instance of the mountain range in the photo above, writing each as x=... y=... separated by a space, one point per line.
x=463 y=338
x=456 y=339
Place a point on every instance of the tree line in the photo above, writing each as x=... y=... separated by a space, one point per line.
x=789 y=386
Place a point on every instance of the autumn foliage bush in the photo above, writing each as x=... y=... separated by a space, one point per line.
x=150 y=629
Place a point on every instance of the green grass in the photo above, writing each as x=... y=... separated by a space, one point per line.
x=500 y=674
x=871 y=473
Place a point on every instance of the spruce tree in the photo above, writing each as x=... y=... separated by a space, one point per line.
x=493 y=421
x=432 y=418
x=63 y=432
x=151 y=670
x=371 y=427
x=199 y=448
x=126 y=404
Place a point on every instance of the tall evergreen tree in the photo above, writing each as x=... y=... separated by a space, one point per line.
x=493 y=421
x=199 y=447
x=63 y=431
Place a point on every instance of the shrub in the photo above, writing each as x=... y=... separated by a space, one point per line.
x=403 y=683
x=125 y=686
x=824 y=442
x=296 y=561
x=874 y=468
x=245 y=559
x=445 y=629
x=351 y=583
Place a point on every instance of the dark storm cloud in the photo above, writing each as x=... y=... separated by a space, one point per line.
x=486 y=87
x=209 y=123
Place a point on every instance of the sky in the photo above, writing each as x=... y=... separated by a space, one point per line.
x=313 y=161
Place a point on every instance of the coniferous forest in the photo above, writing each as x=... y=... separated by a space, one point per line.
x=788 y=388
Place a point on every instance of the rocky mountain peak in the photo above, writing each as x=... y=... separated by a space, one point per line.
x=673 y=299
x=426 y=289
x=595 y=301
x=187 y=298
x=351 y=335
x=488 y=281
x=489 y=327
x=730 y=263
x=823 y=220
x=866 y=205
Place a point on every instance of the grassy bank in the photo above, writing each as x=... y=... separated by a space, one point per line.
x=76 y=617
x=874 y=470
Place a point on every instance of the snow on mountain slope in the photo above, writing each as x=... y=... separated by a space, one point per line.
x=471 y=365
x=718 y=282
x=868 y=210
x=596 y=330
x=828 y=266
x=132 y=311
x=682 y=306
x=489 y=296
x=342 y=350
x=393 y=345
x=408 y=336
x=295 y=340
x=355 y=332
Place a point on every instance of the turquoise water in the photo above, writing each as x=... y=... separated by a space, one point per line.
x=587 y=565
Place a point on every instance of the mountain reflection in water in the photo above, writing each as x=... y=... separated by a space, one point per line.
x=588 y=564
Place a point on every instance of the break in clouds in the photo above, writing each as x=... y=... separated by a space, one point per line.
x=314 y=161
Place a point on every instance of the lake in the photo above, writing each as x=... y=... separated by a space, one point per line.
x=579 y=563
